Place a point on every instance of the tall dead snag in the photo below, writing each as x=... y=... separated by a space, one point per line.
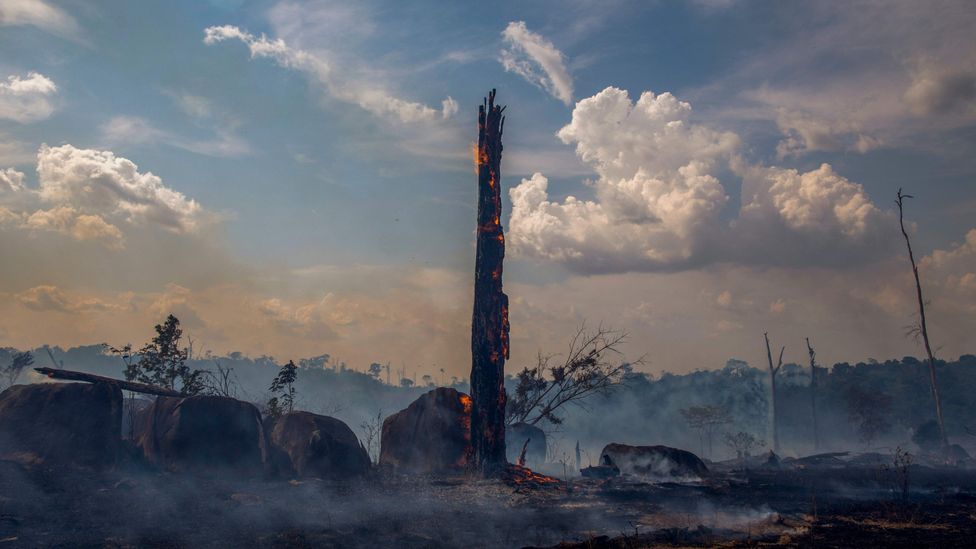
x=489 y=322
x=922 y=329
x=772 y=388
x=813 y=395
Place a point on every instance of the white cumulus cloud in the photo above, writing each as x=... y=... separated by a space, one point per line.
x=657 y=199
x=655 y=195
x=819 y=201
x=101 y=183
x=27 y=99
x=536 y=59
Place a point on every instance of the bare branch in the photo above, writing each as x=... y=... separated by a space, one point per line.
x=586 y=370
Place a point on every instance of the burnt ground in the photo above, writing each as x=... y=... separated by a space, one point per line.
x=850 y=506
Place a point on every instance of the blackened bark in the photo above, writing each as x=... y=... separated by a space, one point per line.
x=489 y=322
x=70 y=375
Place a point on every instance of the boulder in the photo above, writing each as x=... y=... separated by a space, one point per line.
x=203 y=433
x=319 y=446
x=600 y=471
x=61 y=424
x=653 y=462
x=515 y=437
x=431 y=435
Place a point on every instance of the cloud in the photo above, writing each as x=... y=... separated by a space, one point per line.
x=128 y=130
x=101 y=183
x=807 y=132
x=178 y=301
x=819 y=202
x=655 y=196
x=307 y=320
x=959 y=261
x=85 y=207
x=54 y=299
x=943 y=91
x=535 y=59
x=713 y=5
x=27 y=99
x=367 y=96
x=39 y=14
x=14 y=152
x=194 y=105
x=449 y=107
x=843 y=79
x=658 y=199
x=11 y=181
x=66 y=220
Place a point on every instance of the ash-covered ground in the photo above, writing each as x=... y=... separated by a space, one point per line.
x=822 y=507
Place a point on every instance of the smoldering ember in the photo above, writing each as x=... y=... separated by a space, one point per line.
x=588 y=400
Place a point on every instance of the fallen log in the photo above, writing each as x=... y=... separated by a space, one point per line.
x=121 y=384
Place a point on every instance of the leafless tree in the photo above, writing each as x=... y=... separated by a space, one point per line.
x=17 y=366
x=587 y=369
x=57 y=364
x=372 y=429
x=813 y=394
x=705 y=419
x=222 y=382
x=773 y=371
x=921 y=329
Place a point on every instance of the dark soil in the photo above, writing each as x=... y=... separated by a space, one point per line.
x=138 y=507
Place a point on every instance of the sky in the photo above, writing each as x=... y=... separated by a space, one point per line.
x=295 y=178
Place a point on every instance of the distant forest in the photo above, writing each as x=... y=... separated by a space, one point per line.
x=862 y=407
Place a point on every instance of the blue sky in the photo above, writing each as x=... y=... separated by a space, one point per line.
x=320 y=153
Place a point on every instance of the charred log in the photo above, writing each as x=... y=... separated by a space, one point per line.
x=69 y=375
x=489 y=322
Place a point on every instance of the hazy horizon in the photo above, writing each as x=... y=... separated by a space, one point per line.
x=296 y=179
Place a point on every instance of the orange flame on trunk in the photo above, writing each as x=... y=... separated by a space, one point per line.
x=479 y=156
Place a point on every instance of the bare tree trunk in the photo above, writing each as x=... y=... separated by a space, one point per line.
x=521 y=456
x=489 y=322
x=813 y=395
x=922 y=328
x=772 y=388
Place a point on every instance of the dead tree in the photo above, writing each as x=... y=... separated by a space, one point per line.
x=773 y=370
x=921 y=328
x=705 y=419
x=813 y=395
x=585 y=371
x=489 y=321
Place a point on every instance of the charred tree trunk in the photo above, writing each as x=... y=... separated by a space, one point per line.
x=489 y=322
x=922 y=327
x=773 y=370
x=813 y=395
x=70 y=375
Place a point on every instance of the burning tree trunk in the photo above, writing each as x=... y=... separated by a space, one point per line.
x=813 y=395
x=773 y=370
x=489 y=322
